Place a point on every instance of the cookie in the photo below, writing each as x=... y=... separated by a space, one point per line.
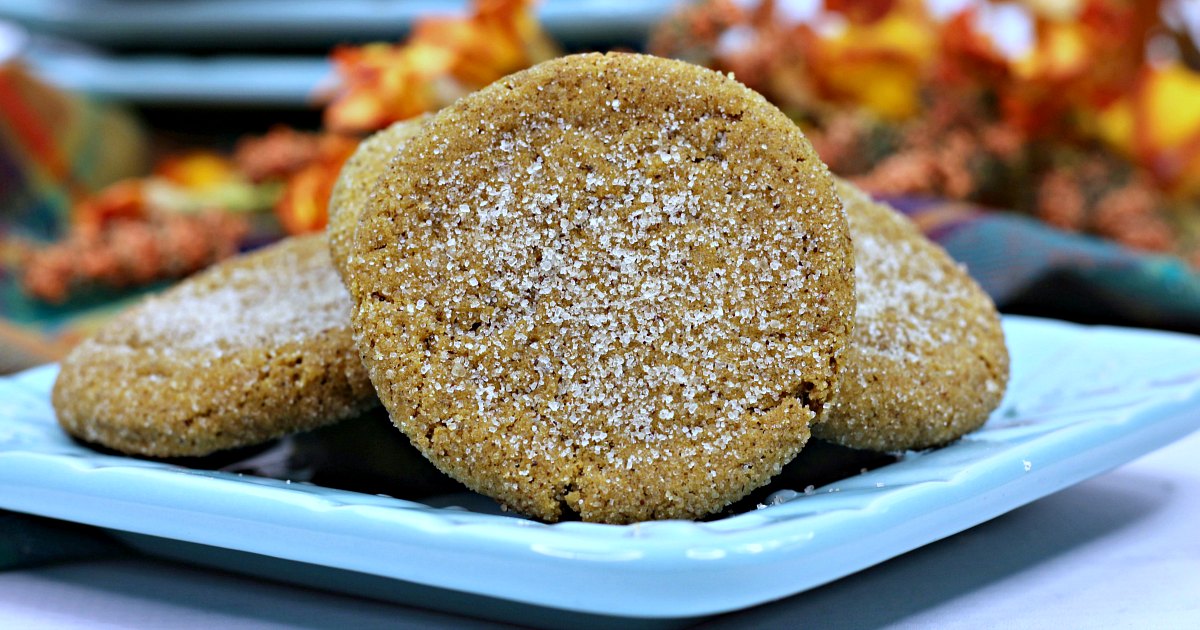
x=927 y=361
x=249 y=350
x=355 y=182
x=611 y=285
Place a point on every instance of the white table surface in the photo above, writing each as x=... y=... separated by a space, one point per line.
x=1118 y=551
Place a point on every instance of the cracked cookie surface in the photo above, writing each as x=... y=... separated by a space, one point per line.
x=613 y=285
x=251 y=349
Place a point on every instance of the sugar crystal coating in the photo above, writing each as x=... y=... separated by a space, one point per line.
x=927 y=361
x=356 y=182
x=612 y=284
x=255 y=347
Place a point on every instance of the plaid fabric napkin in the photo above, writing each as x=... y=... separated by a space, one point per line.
x=56 y=147
x=1031 y=268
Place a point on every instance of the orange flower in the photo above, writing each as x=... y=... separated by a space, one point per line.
x=443 y=59
x=1155 y=126
x=197 y=170
x=125 y=199
x=1081 y=56
x=861 y=11
x=382 y=83
x=303 y=205
x=1061 y=52
x=277 y=154
x=877 y=61
x=502 y=37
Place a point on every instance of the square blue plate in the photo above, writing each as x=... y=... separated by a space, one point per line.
x=1081 y=401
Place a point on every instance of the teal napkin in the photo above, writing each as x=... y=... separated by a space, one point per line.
x=1030 y=268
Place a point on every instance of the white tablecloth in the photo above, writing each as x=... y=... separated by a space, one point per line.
x=1118 y=551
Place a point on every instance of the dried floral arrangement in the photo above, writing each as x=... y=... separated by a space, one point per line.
x=1092 y=124
x=194 y=209
x=1084 y=113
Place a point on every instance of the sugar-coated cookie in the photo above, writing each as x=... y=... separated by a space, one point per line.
x=357 y=180
x=253 y=348
x=927 y=361
x=614 y=285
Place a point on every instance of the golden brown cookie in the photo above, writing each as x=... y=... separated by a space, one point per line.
x=355 y=182
x=615 y=285
x=927 y=362
x=249 y=350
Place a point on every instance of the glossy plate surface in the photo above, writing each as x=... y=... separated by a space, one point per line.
x=1081 y=401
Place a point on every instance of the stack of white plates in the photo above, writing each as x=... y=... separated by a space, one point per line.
x=71 y=42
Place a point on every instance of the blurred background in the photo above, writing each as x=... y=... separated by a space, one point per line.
x=1052 y=146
